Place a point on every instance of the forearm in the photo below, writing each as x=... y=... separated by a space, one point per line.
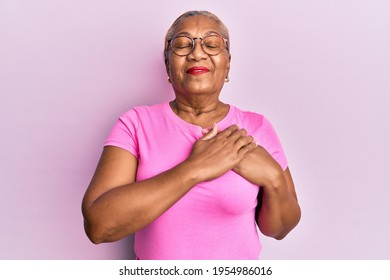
x=126 y=209
x=279 y=212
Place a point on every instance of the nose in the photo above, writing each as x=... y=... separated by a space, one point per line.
x=198 y=53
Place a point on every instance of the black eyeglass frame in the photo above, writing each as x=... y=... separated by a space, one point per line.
x=225 y=41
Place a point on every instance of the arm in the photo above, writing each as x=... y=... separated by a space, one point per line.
x=115 y=205
x=278 y=210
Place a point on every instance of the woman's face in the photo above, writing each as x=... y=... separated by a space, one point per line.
x=198 y=73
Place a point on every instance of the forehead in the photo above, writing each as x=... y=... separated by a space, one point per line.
x=197 y=26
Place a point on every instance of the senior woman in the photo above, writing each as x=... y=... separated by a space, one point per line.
x=192 y=177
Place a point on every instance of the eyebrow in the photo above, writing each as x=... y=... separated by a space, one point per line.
x=184 y=33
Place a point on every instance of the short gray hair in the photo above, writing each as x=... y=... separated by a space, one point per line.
x=170 y=33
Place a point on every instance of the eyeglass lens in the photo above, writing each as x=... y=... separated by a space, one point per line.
x=211 y=45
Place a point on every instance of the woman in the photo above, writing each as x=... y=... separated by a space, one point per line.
x=192 y=177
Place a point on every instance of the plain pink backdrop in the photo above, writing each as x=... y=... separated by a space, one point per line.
x=319 y=70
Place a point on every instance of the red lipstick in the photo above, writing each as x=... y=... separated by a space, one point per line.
x=197 y=70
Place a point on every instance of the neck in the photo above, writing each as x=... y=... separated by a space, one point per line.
x=201 y=113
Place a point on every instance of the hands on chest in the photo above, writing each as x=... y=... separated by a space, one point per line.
x=232 y=149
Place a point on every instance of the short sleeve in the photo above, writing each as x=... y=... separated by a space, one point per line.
x=269 y=140
x=124 y=133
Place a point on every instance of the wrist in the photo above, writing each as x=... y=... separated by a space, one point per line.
x=191 y=172
x=275 y=181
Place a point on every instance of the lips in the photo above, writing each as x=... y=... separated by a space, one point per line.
x=197 y=70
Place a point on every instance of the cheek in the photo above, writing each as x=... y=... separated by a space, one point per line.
x=223 y=66
x=175 y=65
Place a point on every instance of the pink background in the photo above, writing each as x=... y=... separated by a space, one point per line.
x=319 y=70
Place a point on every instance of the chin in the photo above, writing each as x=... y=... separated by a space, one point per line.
x=200 y=90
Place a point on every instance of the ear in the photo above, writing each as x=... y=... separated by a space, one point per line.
x=167 y=69
x=228 y=66
x=166 y=58
x=167 y=66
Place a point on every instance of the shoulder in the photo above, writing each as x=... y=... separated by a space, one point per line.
x=139 y=113
x=255 y=123
x=145 y=110
x=248 y=118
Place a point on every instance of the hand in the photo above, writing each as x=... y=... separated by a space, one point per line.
x=218 y=152
x=259 y=167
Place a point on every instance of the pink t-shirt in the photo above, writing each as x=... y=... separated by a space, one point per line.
x=214 y=220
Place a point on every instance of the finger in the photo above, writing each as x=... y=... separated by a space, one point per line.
x=253 y=146
x=243 y=141
x=247 y=149
x=228 y=131
x=236 y=135
x=210 y=134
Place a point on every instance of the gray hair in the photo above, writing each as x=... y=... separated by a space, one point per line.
x=170 y=33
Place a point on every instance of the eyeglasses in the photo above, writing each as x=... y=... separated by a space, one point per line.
x=211 y=44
